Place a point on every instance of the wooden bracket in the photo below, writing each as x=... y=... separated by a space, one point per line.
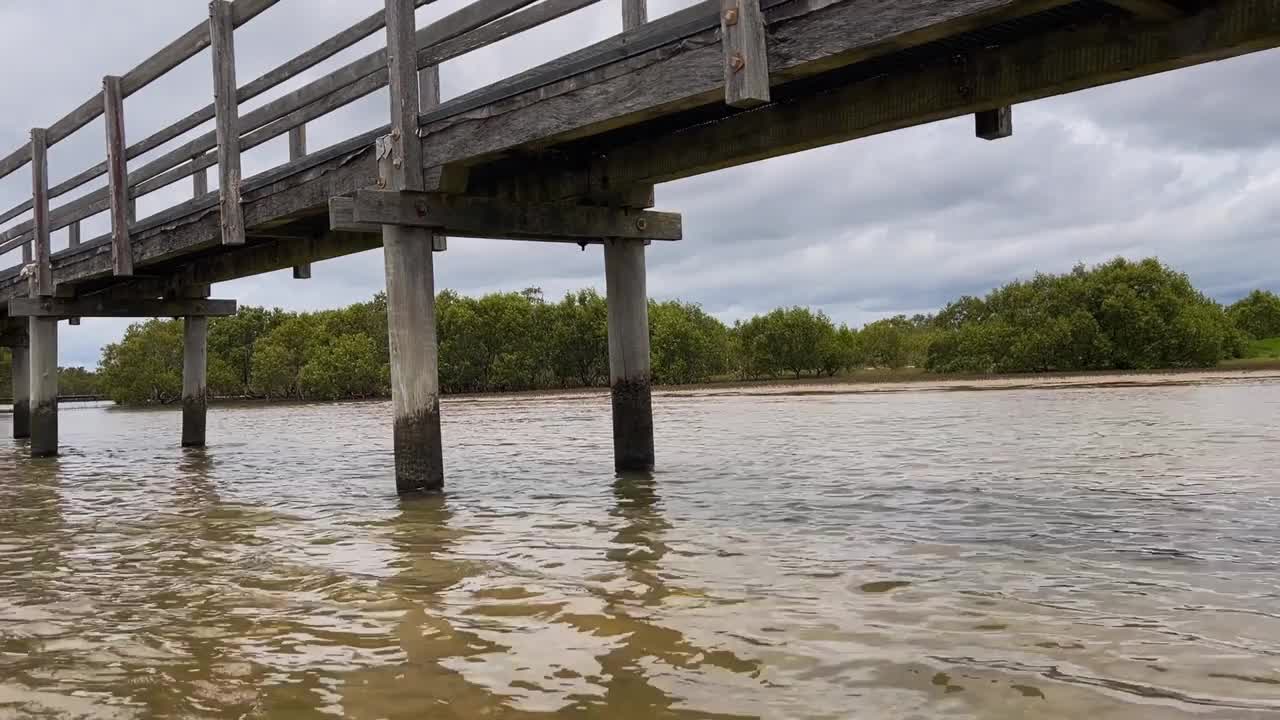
x=102 y=307
x=746 y=59
x=994 y=124
x=484 y=217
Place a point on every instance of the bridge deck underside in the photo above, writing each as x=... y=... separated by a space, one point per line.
x=647 y=107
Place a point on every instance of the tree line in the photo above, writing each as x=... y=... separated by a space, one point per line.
x=1120 y=315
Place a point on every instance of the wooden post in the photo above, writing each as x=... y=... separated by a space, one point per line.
x=629 y=371
x=195 y=344
x=222 y=38
x=117 y=177
x=994 y=124
x=429 y=99
x=411 y=316
x=21 y=373
x=746 y=61
x=44 y=386
x=200 y=183
x=43 y=279
x=634 y=13
x=73 y=241
x=297 y=151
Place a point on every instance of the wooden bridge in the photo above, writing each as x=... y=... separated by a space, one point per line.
x=568 y=151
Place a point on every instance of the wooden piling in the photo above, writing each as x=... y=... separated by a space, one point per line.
x=994 y=124
x=297 y=151
x=21 y=370
x=746 y=59
x=411 y=316
x=195 y=344
x=222 y=39
x=44 y=386
x=629 y=369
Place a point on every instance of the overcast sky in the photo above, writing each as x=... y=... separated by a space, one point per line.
x=1185 y=166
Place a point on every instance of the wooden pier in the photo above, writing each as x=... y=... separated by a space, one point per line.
x=565 y=152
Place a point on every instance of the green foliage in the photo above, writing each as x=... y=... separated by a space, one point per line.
x=74 y=381
x=146 y=366
x=686 y=344
x=1119 y=315
x=1257 y=315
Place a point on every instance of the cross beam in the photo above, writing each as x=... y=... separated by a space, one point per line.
x=47 y=307
x=493 y=218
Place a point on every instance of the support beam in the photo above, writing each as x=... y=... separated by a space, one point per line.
x=486 y=217
x=629 y=370
x=746 y=60
x=43 y=279
x=44 y=386
x=95 y=306
x=195 y=348
x=411 y=298
x=200 y=183
x=21 y=373
x=222 y=36
x=1055 y=63
x=994 y=124
x=428 y=99
x=117 y=178
x=1150 y=9
x=297 y=151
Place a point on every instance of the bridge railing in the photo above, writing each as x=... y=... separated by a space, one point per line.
x=470 y=28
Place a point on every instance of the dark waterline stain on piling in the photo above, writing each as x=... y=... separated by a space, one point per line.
x=632 y=402
x=419 y=463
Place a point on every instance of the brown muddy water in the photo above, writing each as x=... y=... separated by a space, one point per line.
x=1097 y=552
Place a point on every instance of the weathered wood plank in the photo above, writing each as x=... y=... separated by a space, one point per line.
x=284 y=72
x=73 y=235
x=15 y=160
x=18 y=209
x=487 y=217
x=200 y=183
x=634 y=13
x=117 y=177
x=1043 y=66
x=48 y=307
x=641 y=74
x=746 y=60
x=429 y=97
x=994 y=124
x=42 y=282
x=402 y=75
x=221 y=30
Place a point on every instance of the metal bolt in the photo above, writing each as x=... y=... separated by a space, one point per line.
x=397 y=163
x=382 y=182
x=736 y=62
x=395 y=133
x=641 y=224
x=731 y=16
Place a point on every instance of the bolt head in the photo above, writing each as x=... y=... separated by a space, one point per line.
x=731 y=16
x=736 y=62
x=641 y=224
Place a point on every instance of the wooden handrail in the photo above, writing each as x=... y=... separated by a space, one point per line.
x=472 y=27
